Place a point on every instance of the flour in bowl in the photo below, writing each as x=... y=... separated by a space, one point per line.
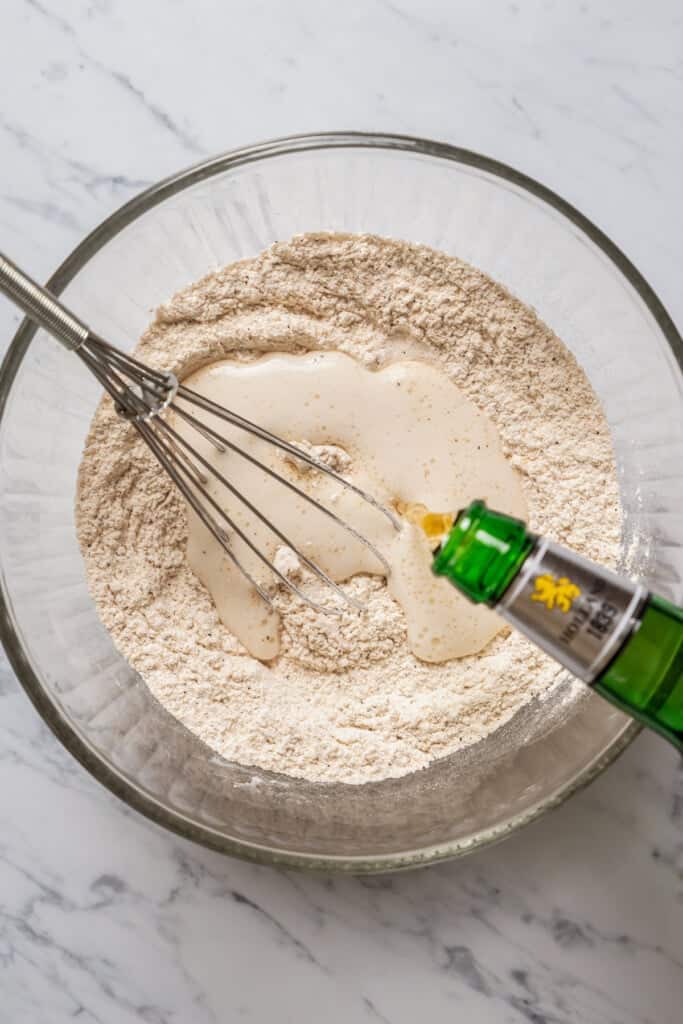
x=341 y=698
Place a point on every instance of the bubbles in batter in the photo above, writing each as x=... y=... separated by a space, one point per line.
x=405 y=433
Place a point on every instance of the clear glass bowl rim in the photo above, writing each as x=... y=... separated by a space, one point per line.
x=77 y=259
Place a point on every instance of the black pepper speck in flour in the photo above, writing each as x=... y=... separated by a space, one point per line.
x=345 y=700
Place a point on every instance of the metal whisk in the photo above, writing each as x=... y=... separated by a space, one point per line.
x=143 y=395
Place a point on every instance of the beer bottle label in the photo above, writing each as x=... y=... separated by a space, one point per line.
x=579 y=613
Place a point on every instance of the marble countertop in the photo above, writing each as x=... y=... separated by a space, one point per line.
x=107 y=919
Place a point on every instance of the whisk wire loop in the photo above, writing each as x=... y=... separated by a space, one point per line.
x=146 y=396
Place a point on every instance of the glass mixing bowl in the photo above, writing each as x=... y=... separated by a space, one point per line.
x=230 y=208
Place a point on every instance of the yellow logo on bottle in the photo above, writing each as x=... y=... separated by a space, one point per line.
x=555 y=592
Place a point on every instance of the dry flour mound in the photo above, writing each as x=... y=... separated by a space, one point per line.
x=345 y=700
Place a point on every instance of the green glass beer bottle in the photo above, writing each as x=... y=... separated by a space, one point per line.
x=610 y=632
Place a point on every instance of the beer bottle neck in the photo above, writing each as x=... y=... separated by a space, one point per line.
x=579 y=613
x=606 y=630
x=483 y=553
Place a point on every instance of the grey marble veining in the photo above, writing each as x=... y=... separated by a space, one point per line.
x=105 y=918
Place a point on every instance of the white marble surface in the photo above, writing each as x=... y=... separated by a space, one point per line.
x=104 y=917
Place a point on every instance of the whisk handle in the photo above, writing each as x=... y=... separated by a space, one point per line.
x=40 y=306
